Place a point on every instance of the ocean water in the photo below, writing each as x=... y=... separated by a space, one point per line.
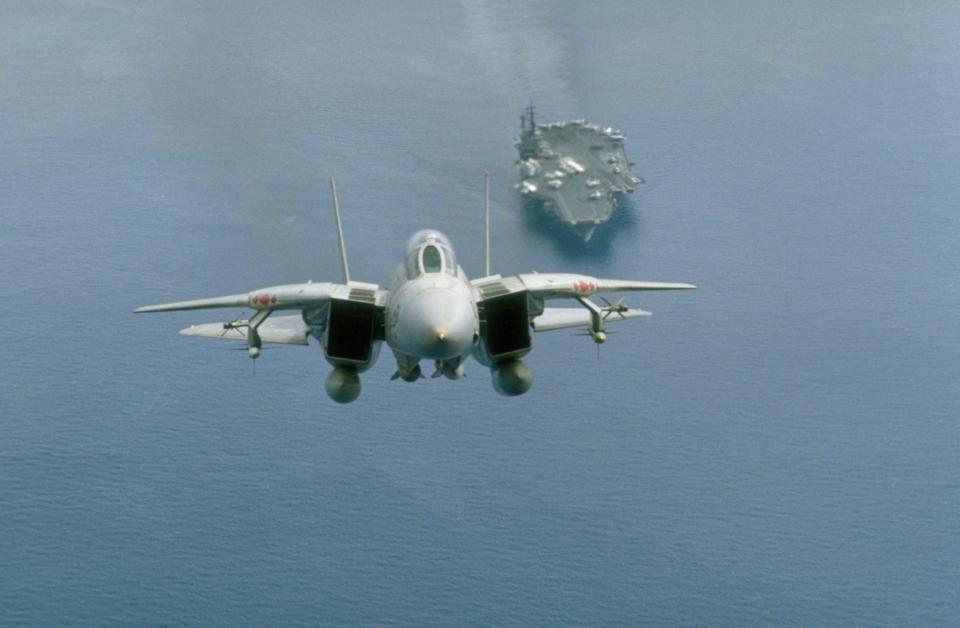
x=779 y=447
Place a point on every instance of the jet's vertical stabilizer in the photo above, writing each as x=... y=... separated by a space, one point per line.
x=486 y=231
x=343 y=246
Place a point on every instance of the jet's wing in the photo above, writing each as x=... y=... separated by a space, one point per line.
x=287 y=330
x=560 y=285
x=566 y=317
x=288 y=297
x=510 y=307
x=314 y=301
x=300 y=296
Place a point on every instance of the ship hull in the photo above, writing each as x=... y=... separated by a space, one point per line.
x=577 y=171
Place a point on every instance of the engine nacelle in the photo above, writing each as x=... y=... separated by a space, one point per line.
x=350 y=332
x=504 y=329
x=511 y=377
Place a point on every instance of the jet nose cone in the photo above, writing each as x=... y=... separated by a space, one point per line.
x=437 y=326
x=444 y=344
x=448 y=340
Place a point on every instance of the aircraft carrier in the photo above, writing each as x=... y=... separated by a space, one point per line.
x=578 y=171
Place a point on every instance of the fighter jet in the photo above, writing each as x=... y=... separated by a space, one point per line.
x=431 y=311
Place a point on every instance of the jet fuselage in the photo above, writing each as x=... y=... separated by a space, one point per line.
x=431 y=313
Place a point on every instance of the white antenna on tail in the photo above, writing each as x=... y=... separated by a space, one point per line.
x=343 y=247
x=486 y=212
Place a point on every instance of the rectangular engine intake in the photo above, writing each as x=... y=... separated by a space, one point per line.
x=505 y=326
x=351 y=331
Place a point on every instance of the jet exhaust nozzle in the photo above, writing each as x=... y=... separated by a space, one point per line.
x=343 y=384
x=511 y=378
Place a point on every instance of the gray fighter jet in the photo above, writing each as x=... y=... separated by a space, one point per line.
x=431 y=311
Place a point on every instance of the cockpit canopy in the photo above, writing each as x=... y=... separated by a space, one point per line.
x=429 y=251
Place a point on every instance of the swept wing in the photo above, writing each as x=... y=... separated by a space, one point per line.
x=560 y=285
x=287 y=297
x=306 y=298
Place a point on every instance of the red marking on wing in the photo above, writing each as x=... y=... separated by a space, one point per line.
x=583 y=286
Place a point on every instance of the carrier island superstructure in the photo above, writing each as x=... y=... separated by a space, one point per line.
x=577 y=170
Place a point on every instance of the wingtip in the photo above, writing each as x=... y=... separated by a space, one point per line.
x=147 y=309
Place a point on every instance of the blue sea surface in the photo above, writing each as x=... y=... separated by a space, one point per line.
x=779 y=447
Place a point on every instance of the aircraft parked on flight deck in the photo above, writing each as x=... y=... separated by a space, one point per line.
x=430 y=312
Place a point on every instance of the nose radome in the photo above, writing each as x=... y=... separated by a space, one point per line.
x=438 y=326
x=452 y=336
